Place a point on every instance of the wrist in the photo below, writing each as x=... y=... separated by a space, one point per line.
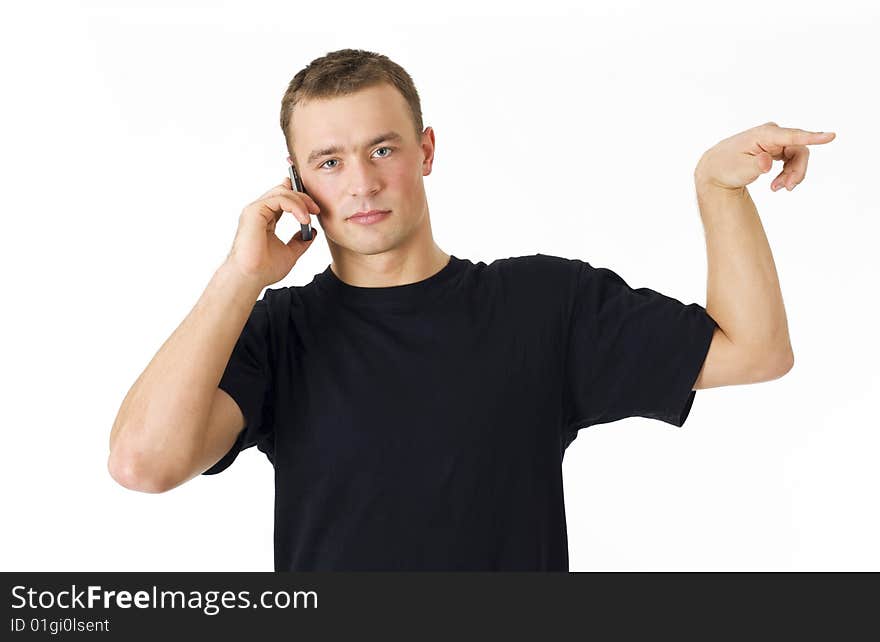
x=231 y=275
x=706 y=185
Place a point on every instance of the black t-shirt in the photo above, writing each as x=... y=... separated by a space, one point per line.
x=423 y=426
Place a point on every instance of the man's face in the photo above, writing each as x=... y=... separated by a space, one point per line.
x=364 y=173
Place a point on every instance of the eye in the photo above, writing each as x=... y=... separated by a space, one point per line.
x=333 y=160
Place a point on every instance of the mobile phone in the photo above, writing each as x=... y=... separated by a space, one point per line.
x=298 y=186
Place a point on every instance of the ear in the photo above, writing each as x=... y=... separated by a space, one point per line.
x=427 y=144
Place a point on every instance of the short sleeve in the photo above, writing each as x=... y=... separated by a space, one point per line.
x=631 y=352
x=247 y=379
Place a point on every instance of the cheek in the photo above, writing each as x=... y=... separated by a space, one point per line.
x=405 y=181
x=398 y=177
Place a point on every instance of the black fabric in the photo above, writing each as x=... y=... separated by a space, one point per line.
x=247 y=380
x=423 y=426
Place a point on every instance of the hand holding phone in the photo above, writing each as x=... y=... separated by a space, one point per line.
x=257 y=252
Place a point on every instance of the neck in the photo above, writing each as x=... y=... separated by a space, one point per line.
x=390 y=268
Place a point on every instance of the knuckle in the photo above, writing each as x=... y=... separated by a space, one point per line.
x=296 y=209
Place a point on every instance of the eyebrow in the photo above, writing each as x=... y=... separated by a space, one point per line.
x=335 y=149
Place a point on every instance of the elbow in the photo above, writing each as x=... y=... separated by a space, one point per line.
x=788 y=362
x=785 y=362
x=778 y=366
x=131 y=472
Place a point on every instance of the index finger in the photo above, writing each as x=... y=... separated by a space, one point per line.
x=792 y=136
x=286 y=184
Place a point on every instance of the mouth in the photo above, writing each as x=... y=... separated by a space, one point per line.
x=373 y=216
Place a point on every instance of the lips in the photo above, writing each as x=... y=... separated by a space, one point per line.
x=369 y=213
x=373 y=216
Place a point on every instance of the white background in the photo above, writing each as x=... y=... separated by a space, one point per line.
x=134 y=133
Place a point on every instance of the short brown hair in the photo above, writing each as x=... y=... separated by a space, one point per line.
x=344 y=72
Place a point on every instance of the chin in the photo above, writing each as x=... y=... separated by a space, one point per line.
x=376 y=245
x=374 y=248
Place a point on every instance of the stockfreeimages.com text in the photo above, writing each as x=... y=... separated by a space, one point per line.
x=209 y=602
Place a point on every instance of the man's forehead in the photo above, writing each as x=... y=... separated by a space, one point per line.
x=364 y=118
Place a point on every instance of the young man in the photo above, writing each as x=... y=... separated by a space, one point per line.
x=416 y=406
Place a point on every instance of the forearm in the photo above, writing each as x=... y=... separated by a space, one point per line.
x=743 y=293
x=158 y=427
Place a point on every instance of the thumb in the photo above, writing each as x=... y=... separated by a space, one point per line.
x=764 y=162
x=298 y=245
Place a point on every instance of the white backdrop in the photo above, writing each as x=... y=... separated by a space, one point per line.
x=134 y=133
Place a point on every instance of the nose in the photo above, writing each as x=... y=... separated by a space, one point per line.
x=364 y=180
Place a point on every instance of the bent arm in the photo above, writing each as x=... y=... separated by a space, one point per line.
x=160 y=434
x=743 y=293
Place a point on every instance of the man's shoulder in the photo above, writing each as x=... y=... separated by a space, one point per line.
x=279 y=300
x=539 y=265
x=536 y=280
